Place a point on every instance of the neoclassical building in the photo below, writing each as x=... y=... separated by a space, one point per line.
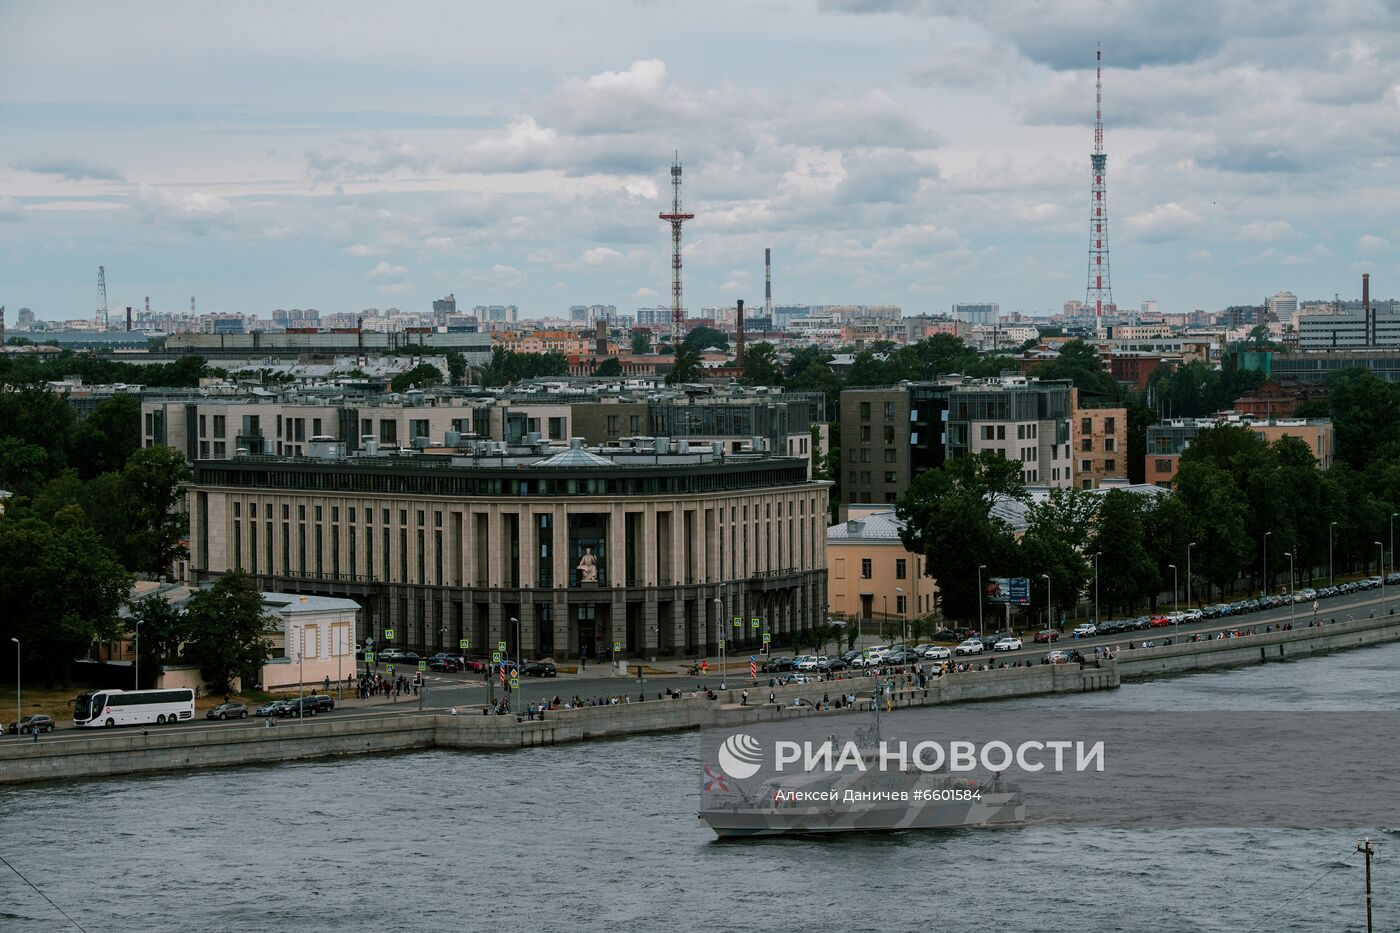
x=652 y=544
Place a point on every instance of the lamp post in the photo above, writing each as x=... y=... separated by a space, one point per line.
x=1382 y=550
x=1096 y=590
x=719 y=619
x=301 y=689
x=1176 y=603
x=1048 y=626
x=1331 y=575
x=1265 y=589
x=903 y=617
x=885 y=602
x=137 y=685
x=18 y=679
x=1292 y=605
x=519 y=660
x=1188 y=575
x=981 y=625
x=1392 y=545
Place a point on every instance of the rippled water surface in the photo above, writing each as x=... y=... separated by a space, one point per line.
x=604 y=835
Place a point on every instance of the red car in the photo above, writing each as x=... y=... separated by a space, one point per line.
x=1159 y=622
x=1047 y=635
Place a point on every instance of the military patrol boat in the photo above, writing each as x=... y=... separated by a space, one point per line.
x=858 y=798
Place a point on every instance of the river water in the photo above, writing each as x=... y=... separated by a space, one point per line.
x=603 y=835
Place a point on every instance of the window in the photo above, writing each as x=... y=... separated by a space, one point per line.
x=889 y=411
x=855 y=457
x=899 y=604
x=418 y=427
x=203 y=426
x=1086 y=443
x=901 y=568
x=1108 y=425
x=316 y=426
x=865 y=455
x=865 y=434
x=889 y=434
x=1086 y=426
x=1085 y=466
x=1163 y=466
x=1110 y=465
x=388 y=432
x=987 y=433
x=864 y=411
x=219 y=424
x=1001 y=432
x=612 y=425
x=890 y=477
x=890 y=454
x=1110 y=444
x=865 y=568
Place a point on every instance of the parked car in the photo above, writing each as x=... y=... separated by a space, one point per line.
x=410 y=657
x=1047 y=635
x=444 y=665
x=34 y=723
x=1085 y=630
x=299 y=707
x=271 y=708
x=902 y=656
x=937 y=653
x=970 y=646
x=323 y=703
x=228 y=711
x=1057 y=657
x=541 y=668
x=832 y=664
x=1007 y=644
x=389 y=655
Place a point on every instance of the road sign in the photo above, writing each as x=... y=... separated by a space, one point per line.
x=763 y=649
x=422 y=665
x=514 y=682
x=369 y=657
x=389 y=633
x=767 y=638
x=721 y=644
x=500 y=646
x=617 y=646
x=753 y=623
x=464 y=644
x=495 y=657
x=738 y=623
x=389 y=668
x=753 y=666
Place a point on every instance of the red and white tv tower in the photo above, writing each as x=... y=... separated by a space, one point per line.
x=675 y=218
x=1099 y=294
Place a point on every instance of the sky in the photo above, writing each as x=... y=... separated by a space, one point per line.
x=347 y=155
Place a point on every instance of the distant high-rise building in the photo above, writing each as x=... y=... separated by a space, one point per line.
x=24 y=317
x=445 y=306
x=975 y=314
x=1283 y=305
x=1149 y=306
x=496 y=313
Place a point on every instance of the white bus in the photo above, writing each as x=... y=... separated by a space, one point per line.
x=132 y=707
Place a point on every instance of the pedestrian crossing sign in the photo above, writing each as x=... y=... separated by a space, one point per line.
x=738 y=623
x=422 y=665
x=767 y=638
x=464 y=644
x=514 y=682
x=389 y=633
x=617 y=646
x=754 y=623
x=721 y=644
x=495 y=657
x=369 y=657
x=500 y=646
x=389 y=668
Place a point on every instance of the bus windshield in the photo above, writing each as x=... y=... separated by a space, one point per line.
x=82 y=708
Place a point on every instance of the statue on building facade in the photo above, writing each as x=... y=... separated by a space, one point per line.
x=588 y=567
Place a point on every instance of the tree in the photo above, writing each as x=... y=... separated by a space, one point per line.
x=1216 y=504
x=702 y=338
x=33 y=416
x=609 y=367
x=163 y=629
x=946 y=514
x=1124 y=563
x=641 y=343
x=1365 y=416
x=1079 y=362
x=686 y=367
x=152 y=482
x=761 y=367
x=228 y=631
x=456 y=367
x=422 y=375
x=108 y=436
x=61 y=588
x=507 y=367
x=1054 y=543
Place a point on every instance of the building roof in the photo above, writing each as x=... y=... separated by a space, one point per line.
x=574 y=457
x=296 y=603
x=874 y=526
x=1016 y=514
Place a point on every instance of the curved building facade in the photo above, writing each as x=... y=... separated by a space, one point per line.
x=651 y=545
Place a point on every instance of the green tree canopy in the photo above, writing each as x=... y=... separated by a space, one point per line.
x=112 y=433
x=761 y=366
x=153 y=483
x=641 y=343
x=609 y=367
x=420 y=376
x=228 y=631
x=702 y=338
x=687 y=366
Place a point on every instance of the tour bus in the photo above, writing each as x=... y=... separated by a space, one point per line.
x=133 y=707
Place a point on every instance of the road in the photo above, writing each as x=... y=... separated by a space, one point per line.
x=469 y=691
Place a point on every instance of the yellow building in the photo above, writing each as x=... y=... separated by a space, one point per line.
x=870 y=575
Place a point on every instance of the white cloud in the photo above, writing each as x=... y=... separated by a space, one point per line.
x=69 y=168
x=1369 y=243
x=195 y=211
x=387 y=270
x=1267 y=231
x=1163 y=222
x=644 y=294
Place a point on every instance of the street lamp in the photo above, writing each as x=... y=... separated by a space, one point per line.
x=903 y=617
x=1392 y=545
x=519 y=660
x=1188 y=576
x=885 y=601
x=719 y=619
x=18 y=679
x=301 y=689
x=1382 y=548
x=1176 y=603
x=1048 y=626
x=1292 y=605
x=1265 y=590
x=1096 y=589
x=1331 y=576
x=981 y=626
x=137 y=686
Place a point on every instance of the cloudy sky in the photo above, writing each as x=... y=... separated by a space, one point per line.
x=349 y=155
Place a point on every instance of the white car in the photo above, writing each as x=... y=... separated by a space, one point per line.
x=805 y=663
x=971 y=646
x=1084 y=630
x=878 y=651
x=1057 y=657
x=937 y=653
x=1007 y=644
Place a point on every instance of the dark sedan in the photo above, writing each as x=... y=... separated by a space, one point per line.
x=541 y=669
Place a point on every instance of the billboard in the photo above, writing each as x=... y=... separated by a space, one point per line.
x=1013 y=590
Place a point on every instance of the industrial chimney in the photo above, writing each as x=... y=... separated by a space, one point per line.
x=600 y=345
x=1366 y=309
x=768 y=285
x=128 y=319
x=739 y=333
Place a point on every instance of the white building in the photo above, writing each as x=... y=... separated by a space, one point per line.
x=315 y=639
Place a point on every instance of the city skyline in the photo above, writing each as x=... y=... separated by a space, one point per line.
x=884 y=153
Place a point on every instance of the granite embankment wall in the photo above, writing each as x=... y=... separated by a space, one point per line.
x=194 y=746
x=1300 y=642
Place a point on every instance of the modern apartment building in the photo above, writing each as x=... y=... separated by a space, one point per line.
x=1099 y=442
x=892 y=434
x=656 y=545
x=1167 y=439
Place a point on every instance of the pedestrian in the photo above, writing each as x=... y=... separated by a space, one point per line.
x=744 y=698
